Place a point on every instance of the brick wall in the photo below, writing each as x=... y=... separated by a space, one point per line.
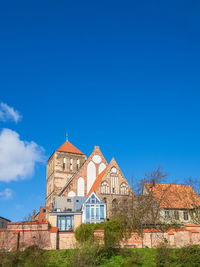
x=25 y=234
x=22 y=235
x=152 y=238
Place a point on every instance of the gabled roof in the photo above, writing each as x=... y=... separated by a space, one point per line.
x=97 y=181
x=89 y=196
x=5 y=219
x=174 y=196
x=68 y=147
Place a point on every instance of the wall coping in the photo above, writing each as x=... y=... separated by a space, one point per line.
x=22 y=223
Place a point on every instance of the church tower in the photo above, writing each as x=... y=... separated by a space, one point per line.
x=61 y=166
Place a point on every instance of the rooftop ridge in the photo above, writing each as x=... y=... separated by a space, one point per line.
x=69 y=148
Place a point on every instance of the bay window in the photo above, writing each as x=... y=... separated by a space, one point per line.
x=65 y=223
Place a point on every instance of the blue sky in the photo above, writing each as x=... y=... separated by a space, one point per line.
x=123 y=75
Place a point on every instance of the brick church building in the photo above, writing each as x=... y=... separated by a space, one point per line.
x=72 y=178
x=87 y=190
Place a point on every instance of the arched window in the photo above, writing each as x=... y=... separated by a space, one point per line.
x=114 y=183
x=104 y=188
x=91 y=175
x=81 y=187
x=114 y=203
x=124 y=189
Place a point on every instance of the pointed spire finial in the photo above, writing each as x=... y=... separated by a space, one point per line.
x=66 y=136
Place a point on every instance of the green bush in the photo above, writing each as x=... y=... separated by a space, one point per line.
x=88 y=254
x=84 y=233
x=30 y=257
x=131 y=257
x=114 y=232
x=163 y=255
x=9 y=259
x=188 y=256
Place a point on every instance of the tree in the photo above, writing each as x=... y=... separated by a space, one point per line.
x=143 y=209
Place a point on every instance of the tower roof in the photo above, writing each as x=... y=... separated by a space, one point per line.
x=68 y=147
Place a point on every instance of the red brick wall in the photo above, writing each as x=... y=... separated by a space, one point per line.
x=22 y=235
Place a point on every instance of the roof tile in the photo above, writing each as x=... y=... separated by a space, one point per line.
x=68 y=147
x=174 y=196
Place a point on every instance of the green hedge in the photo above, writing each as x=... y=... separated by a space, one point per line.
x=114 y=231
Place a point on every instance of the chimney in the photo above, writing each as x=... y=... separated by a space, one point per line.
x=33 y=216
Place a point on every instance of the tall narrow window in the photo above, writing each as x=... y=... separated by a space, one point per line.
x=78 y=164
x=64 y=163
x=104 y=188
x=87 y=212
x=124 y=189
x=114 y=184
x=185 y=215
x=71 y=164
x=101 y=212
x=176 y=215
x=167 y=214
x=97 y=213
x=92 y=212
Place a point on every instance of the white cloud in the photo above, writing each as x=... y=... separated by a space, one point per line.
x=8 y=113
x=7 y=193
x=17 y=157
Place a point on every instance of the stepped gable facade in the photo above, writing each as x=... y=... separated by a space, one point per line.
x=82 y=181
x=112 y=186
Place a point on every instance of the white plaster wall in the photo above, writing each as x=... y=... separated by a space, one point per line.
x=81 y=187
x=91 y=175
x=102 y=166
x=71 y=194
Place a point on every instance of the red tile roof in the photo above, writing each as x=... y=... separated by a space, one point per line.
x=96 y=182
x=68 y=147
x=174 y=196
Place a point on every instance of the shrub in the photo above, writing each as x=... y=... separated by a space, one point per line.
x=163 y=255
x=84 y=233
x=189 y=256
x=132 y=257
x=114 y=232
x=88 y=254
x=10 y=259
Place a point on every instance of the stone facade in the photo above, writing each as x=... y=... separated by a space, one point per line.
x=60 y=168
